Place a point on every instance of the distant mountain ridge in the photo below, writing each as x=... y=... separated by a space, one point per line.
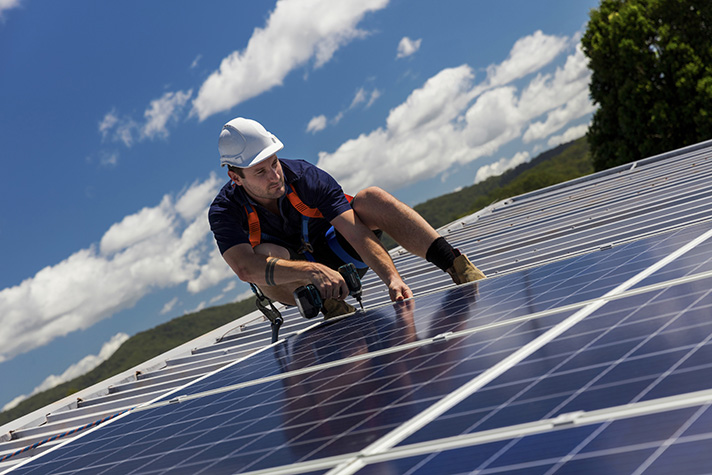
x=563 y=163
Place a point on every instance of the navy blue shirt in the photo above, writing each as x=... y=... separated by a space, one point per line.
x=316 y=188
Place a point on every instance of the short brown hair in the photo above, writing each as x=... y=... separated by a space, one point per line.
x=237 y=170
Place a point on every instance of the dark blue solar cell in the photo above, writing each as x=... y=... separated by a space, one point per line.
x=613 y=462
x=697 y=260
x=683 y=457
x=589 y=377
x=618 y=447
x=454 y=461
x=701 y=425
x=681 y=381
x=540 y=449
x=319 y=413
x=333 y=396
x=653 y=428
x=565 y=282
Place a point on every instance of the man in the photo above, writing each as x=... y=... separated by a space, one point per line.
x=283 y=223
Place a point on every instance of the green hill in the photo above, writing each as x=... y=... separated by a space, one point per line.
x=137 y=349
x=562 y=163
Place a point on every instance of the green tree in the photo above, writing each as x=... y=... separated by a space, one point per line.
x=652 y=77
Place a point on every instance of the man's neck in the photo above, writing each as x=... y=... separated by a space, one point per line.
x=272 y=205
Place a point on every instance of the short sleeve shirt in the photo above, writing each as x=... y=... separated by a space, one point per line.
x=316 y=188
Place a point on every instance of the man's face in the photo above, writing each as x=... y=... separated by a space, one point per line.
x=264 y=181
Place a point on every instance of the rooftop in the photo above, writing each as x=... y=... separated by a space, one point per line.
x=588 y=344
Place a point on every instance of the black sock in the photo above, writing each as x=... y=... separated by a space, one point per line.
x=441 y=253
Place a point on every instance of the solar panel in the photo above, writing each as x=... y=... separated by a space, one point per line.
x=588 y=346
x=668 y=441
x=522 y=348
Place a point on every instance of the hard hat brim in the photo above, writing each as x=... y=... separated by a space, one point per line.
x=263 y=155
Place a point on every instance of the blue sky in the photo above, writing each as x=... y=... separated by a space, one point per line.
x=110 y=113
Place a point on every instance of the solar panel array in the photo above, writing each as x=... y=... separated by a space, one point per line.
x=589 y=347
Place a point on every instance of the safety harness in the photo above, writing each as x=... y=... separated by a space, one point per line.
x=253 y=223
x=264 y=303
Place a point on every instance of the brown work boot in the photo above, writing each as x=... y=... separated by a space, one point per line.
x=463 y=270
x=333 y=308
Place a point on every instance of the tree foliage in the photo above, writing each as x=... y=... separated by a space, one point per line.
x=652 y=77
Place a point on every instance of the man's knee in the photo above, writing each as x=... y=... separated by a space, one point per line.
x=372 y=199
x=372 y=194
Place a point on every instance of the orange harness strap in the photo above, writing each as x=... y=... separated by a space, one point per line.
x=253 y=221
x=299 y=205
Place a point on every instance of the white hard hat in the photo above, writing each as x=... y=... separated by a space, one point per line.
x=244 y=143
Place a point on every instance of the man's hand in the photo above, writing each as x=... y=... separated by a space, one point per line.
x=398 y=290
x=372 y=253
x=330 y=283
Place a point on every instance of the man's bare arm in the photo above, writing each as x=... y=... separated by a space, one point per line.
x=268 y=271
x=372 y=253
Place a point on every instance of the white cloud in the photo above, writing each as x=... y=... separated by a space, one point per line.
x=155 y=248
x=168 y=306
x=6 y=5
x=118 y=129
x=296 y=32
x=359 y=97
x=451 y=120
x=406 y=47
x=528 y=55
x=246 y=295
x=228 y=289
x=192 y=201
x=212 y=272
x=362 y=95
x=558 y=118
x=157 y=116
x=161 y=111
x=83 y=366
x=375 y=94
x=317 y=124
x=500 y=166
x=571 y=133
x=107 y=123
x=138 y=227
x=198 y=308
x=108 y=158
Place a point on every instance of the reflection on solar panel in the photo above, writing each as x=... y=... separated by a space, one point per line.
x=589 y=349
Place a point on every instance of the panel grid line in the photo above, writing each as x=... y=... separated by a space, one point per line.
x=638 y=397
x=630 y=292
x=565 y=421
x=664 y=446
x=407 y=428
x=584 y=306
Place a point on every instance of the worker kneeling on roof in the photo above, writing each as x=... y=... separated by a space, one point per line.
x=283 y=223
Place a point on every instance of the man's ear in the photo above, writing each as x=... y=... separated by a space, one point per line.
x=234 y=177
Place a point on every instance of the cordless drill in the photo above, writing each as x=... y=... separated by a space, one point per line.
x=310 y=302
